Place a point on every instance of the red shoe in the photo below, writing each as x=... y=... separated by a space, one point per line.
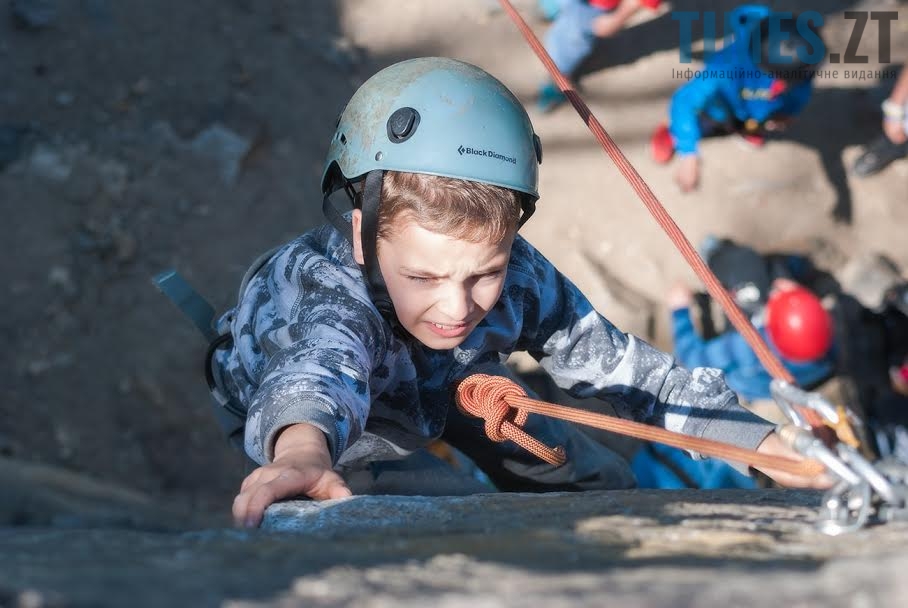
x=661 y=145
x=753 y=140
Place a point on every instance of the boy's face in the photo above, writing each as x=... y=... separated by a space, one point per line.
x=441 y=287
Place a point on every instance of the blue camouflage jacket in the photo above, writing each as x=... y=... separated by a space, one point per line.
x=309 y=346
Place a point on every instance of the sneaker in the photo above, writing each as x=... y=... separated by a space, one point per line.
x=549 y=98
x=661 y=145
x=549 y=9
x=878 y=155
x=753 y=140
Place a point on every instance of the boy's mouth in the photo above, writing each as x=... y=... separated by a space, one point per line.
x=442 y=326
x=448 y=331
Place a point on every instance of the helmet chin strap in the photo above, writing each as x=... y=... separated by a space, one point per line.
x=378 y=290
x=333 y=215
x=368 y=201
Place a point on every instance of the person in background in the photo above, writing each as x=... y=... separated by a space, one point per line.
x=576 y=26
x=734 y=94
x=892 y=144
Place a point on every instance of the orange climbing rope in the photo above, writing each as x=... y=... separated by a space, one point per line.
x=495 y=399
x=772 y=364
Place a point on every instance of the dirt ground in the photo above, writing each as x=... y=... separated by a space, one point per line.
x=141 y=136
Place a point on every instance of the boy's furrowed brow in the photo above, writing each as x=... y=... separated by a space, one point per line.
x=419 y=272
x=433 y=275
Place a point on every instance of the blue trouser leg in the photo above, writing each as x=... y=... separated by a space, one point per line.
x=570 y=38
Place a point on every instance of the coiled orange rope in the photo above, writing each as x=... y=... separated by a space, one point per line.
x=505 y=406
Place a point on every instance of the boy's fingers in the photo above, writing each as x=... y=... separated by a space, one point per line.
x=817 y=482
x=250 y=479
x=338 y=489
x=329 y=485
x=255 y=496
x=240 y=504
x=250 y=505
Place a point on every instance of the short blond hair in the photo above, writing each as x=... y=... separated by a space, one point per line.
x=458 y=208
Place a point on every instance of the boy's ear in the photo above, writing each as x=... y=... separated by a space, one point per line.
x=358 y=237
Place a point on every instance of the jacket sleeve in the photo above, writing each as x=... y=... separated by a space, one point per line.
x=589 y=357
x=685 y=108
x=310 y=341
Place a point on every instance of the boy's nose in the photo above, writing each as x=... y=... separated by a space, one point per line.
x=457 y=304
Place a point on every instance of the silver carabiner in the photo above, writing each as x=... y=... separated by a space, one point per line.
x=846 y=508
x=787 y=395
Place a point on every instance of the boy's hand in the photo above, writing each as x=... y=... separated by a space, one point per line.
x=301 y=465
x=774 y=446
x=688 y=174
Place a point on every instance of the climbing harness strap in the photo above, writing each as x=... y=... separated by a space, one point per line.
x=230 y=413
x=172 y=284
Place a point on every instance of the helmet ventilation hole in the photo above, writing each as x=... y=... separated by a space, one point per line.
x=379 y=156
x=402 y=124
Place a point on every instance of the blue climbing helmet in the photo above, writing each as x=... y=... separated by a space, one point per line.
x=437 y=116
x=430 y=115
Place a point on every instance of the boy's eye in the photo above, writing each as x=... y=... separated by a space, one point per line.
x=420 y=279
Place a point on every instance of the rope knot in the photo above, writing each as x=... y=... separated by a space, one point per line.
x=485 y=397
x=491 y=398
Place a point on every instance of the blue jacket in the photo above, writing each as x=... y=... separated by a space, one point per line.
x=730 y=353
x=730 y=88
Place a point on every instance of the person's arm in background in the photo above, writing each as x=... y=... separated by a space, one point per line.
x=690 y=348
x=685 y=108
x=895 y=108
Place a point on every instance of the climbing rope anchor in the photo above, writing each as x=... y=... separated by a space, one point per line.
x=866 y=492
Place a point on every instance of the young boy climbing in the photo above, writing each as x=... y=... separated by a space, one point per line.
x=348 y=342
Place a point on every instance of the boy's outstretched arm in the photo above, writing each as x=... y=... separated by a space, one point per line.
x=301 y=465
x=587 y=356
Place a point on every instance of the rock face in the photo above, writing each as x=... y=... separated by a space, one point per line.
x=627 y=548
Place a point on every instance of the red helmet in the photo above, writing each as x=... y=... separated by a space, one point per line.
x=798 y=324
